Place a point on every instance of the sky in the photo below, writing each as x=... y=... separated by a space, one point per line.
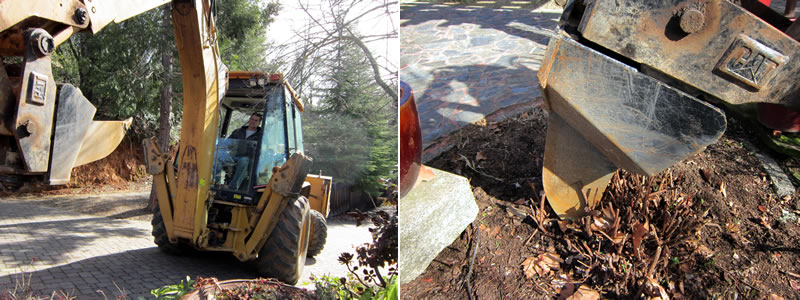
x=292 y=19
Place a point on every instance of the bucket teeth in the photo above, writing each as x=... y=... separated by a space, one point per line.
x=574 y=174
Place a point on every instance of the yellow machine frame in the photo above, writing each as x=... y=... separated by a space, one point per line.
x=183 y=191
x=183 y=194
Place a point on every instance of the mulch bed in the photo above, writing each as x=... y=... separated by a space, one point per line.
x=710 y=226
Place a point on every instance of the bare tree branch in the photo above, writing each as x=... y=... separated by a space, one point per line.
x=333 y=26
x=374 y=64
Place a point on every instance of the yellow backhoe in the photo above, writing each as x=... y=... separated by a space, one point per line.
x=250 y=196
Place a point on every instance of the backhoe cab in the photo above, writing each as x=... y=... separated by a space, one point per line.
x=244 y=163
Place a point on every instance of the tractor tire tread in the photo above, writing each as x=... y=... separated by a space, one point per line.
x=160 y=236
x=319 y=233
x=281 y=256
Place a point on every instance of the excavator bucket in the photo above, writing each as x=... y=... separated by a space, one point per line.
x=623 y=82
x=45 y=128
x=101 y=139
x=615 y=118
x=77 y=139
x=575 y=184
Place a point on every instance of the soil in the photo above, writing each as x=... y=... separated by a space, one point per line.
x=122 y=167
x=711 y=226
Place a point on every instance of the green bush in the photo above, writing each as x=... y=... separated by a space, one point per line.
x=331 y=288
x=174 y=291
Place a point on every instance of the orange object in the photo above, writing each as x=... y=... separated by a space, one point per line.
x=425 y=174
x=410 y=140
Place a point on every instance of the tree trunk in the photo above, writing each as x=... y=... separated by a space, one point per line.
x=166 y=101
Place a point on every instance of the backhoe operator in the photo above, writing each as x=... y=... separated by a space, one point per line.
x=251 y=132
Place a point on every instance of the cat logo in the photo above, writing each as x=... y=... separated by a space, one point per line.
x=750 y=62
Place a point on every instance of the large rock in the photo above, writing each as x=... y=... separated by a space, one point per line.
x=432 y=215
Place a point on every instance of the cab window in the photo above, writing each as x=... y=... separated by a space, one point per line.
x=290 y=131
x=273 y=143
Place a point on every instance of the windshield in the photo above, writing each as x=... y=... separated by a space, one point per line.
x=239 y=162
x=233 y=163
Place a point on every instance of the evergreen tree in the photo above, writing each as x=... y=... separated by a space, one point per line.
x=339 y=145
x=242 y=26
x=356 y=125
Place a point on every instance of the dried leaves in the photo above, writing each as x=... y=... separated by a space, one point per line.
x=707 y=175
x=639 y=231
x=714 y=180
x=704 y=251
x=732 y=227
x=655 y=290
x=794 y=284
x=540 y=215
x=607 y=224
x=652 y=212
x=479 y=156
x=582 y=293
x=763 y=221
x=542 y=264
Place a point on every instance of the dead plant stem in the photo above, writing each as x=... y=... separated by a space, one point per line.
x=471 y=263
x=795 y=275
x=750 y=285
x=535 y=230
x=652 y=267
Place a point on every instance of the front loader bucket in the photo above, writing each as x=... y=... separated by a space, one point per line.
x=101 y=139
x=606 y=115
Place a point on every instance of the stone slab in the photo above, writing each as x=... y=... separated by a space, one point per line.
x=433 y=214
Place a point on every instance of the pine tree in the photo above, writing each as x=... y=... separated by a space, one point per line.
x=355 y=132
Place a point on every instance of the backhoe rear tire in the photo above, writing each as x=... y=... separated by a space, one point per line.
x=160 y=235
x=319 y=233
x=283 y=255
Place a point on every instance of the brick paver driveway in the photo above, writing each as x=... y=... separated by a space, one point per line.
x=81 y=254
